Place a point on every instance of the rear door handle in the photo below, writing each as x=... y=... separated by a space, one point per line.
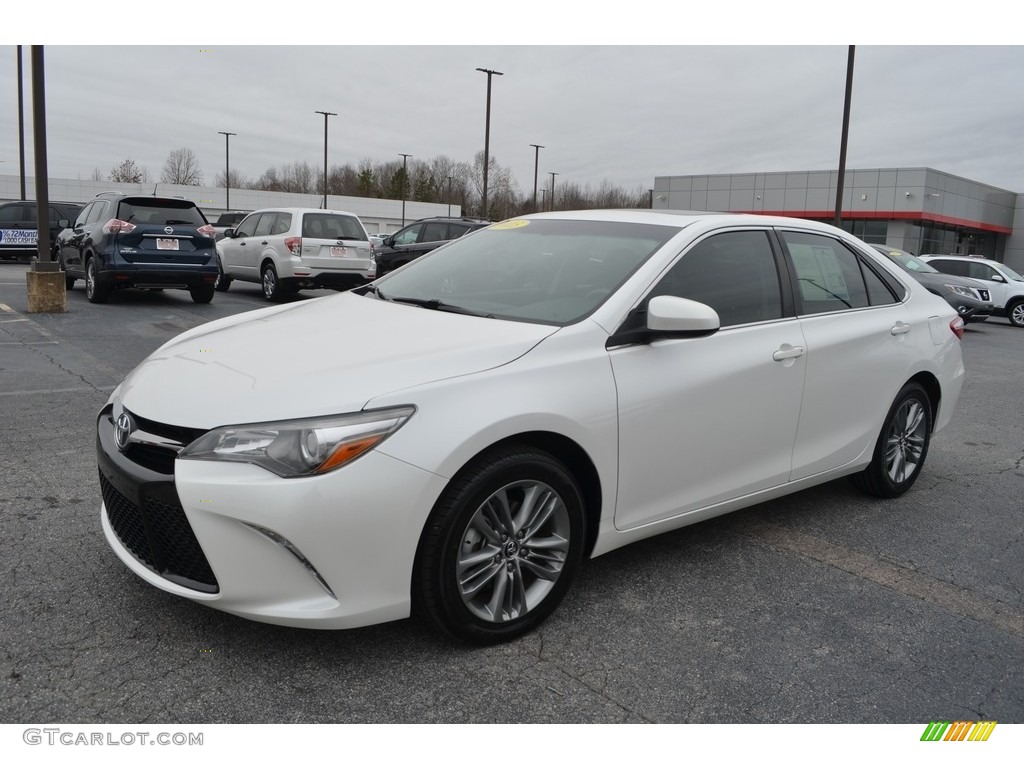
x=900 y=328
x=787 y=352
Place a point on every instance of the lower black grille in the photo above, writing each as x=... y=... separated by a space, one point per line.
x=159 y=534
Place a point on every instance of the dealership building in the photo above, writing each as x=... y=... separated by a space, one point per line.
x=920 y=210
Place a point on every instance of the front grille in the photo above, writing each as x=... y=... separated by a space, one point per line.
x=158 y=533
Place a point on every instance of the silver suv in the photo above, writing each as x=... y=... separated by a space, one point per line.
x=285 y=249
x=1004 y=285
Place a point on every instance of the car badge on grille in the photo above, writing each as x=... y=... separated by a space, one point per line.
x=122 y=430
x=168 y=230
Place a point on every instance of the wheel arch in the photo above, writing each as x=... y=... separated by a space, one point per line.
x=932 y=388
x=576 y=460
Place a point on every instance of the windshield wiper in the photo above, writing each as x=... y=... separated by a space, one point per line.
x=436 y=304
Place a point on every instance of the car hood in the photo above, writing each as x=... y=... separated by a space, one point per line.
x=314 y=358
x=930 y=280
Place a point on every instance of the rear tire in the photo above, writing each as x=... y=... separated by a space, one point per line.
x=96 y=291
x=201 y=294
x=271 y=284
x=902 y=445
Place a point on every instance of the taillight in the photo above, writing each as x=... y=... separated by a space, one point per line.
x=956 y=325
x=294 y=245
x=116 y=226
x=207 y=230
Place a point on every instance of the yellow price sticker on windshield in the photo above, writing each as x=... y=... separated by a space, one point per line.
x=510 y=224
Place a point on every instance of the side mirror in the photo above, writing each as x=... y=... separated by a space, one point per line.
x=997 y=278
x=229 y=232
x=674 y=315
x=388 y=241
x=63 y=223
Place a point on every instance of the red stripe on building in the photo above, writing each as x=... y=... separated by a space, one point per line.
x=890 y=215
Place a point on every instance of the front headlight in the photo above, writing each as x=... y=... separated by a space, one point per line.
x=962 y=291
x=300 y=447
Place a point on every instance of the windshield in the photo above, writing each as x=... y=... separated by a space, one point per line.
x=908 y=262
x=537 y=270
x=1011 y=274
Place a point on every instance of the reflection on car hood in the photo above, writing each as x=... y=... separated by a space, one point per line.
x=312 y=358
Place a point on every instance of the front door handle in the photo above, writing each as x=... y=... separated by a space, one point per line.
x=900 y=328
x=787 y=352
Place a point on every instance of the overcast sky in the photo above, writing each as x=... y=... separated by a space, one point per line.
x=624 y=113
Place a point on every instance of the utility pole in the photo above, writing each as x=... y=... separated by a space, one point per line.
x=536 y=165
x=326 y=115
x=487 y=133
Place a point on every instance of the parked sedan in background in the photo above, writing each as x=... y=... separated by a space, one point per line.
x=968 y=297
x=1005 y=286
x=546 y=390
x=285 y=249
x=139 y=241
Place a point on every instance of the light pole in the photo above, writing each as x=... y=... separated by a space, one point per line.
x=553 y=174
x=536 y=165
x=326 y=115
x=227 y=168
x=487 y=132
x=543 y=197
x=405 y=181
x=838 y=220
x=21 y=123
x=449 y=197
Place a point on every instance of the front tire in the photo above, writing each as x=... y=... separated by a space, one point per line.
x=501 y=547
x=902 y=445
x=69 y=282
x=223 y=281
x=1015 y=312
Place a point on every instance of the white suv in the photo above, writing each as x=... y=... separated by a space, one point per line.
x=1005 y=287
x=285 y=249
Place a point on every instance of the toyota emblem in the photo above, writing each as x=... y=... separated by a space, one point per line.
x=168 y=230
x=122 y=430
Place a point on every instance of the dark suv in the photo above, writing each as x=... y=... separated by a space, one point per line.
x=18 y=222
x=420 y=237
x=135 y=241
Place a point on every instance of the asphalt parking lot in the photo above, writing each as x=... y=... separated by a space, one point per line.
x=823 y=607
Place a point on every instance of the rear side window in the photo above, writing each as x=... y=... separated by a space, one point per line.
x=828 y=272
x=434 y=231
x=282 y=223
x=734 y=273
x=332 y=226
x=141 y=211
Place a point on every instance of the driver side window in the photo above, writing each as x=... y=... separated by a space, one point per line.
x=408 y=236
x=734 y=273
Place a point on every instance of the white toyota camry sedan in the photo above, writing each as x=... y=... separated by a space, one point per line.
x=454 y=439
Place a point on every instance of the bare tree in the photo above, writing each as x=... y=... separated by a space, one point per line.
x=129 y=173
x=182 y=167
x=238 y=181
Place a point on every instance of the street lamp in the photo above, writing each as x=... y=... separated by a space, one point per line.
x=449 y=197
x=543 y=197
x=487 y=131
x=553 y=174
x=405 y=181
x=536 y=165
x=326 y=115
x=227 y=168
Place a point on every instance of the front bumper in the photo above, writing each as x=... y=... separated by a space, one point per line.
x=969 y=309
x=331 y=552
